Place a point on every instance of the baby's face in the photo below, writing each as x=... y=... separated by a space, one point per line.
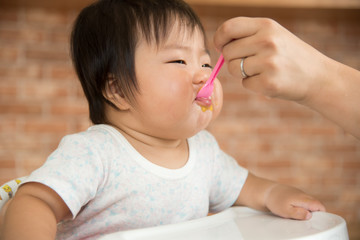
x=169 y=78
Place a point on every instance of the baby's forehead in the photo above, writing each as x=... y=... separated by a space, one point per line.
x=177 y=35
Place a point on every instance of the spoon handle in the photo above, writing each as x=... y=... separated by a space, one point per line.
x=216 y=69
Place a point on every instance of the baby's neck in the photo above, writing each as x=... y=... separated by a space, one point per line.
x=167 y=153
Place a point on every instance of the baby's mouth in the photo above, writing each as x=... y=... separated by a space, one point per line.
x=204 y=101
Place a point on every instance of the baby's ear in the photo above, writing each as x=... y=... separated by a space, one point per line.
x=115 y=96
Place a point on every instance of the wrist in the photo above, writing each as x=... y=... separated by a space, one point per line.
x=268 y=195
x=322 y=83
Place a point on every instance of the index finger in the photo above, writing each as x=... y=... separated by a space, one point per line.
x=236 y=28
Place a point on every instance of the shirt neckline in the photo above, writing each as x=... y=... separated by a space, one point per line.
x=148 y=165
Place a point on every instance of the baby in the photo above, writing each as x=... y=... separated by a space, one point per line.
x=147 y=160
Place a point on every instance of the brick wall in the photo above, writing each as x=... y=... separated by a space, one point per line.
x=41 y=101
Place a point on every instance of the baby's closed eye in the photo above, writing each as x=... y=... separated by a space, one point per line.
x=206 y=65
x=178 y=61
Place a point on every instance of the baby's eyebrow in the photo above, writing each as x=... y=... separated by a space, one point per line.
x=177 y=46
x=184 y=47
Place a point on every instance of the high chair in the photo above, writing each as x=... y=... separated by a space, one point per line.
x=240 y=223
x=9 y=189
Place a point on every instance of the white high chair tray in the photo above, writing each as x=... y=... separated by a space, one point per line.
x=243 y=223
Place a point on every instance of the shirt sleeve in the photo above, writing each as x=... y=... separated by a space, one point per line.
x=228 y=178
x=74 y=171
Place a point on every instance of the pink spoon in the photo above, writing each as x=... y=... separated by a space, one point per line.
x=207 y=89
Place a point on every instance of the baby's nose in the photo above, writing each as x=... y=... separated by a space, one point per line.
x=201 y=77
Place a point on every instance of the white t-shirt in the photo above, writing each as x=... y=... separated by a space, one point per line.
x=109 y=187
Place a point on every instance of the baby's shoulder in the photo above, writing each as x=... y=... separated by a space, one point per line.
x=95 y=135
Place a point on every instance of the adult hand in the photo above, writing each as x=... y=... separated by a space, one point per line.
x=278 y=64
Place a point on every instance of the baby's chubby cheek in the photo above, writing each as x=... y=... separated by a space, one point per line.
x=217 y=99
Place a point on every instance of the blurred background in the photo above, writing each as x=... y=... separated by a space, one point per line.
x=41 y=99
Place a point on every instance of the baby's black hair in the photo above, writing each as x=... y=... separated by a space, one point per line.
x=104 y=39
